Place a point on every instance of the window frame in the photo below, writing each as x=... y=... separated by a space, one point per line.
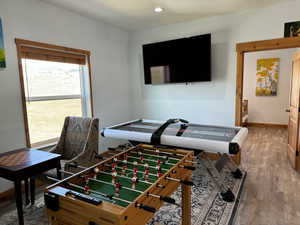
x=60 y=49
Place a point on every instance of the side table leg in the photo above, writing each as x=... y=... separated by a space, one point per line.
x=58 y=168
x=32 y=190
x=26 y=192
x=18 y=193
x=186 y=205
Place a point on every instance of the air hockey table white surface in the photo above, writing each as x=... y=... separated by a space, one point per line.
x=216 y=139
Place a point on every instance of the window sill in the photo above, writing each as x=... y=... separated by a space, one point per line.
x=45 y=146
x=42 y=145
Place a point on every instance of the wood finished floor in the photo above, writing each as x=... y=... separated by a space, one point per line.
x=271 y=193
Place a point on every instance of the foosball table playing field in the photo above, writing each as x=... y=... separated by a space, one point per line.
x=125 y=187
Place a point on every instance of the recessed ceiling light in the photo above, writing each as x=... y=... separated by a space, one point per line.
x=158 y=9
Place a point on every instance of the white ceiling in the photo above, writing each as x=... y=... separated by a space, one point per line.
x=138 y=14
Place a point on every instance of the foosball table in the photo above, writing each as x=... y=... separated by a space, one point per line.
x=125 y=187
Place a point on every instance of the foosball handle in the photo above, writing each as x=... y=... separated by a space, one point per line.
x=160 y=186
x=112 y=149
x=168 y=199
x=146 y=208
x=187 y=182
x=189 y=168
x=110 y=196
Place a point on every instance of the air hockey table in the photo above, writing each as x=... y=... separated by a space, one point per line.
x=181 y=133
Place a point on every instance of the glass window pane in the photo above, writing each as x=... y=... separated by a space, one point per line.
x=46 y=118
x=46 y=78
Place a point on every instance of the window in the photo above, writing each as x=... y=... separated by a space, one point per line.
x=55 y=83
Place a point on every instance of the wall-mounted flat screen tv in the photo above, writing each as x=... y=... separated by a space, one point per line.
x=182 y=60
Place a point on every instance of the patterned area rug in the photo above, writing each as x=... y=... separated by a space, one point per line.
x=207 y=206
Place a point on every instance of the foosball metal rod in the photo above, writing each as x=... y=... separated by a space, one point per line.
x=128 y=178
x=158 y=156
x=166 y=153
x=92 y=191
x=151 y=174
x=149 y=160
x=163 y=198
x=162 y=154
x=138 y=164
x=103 y=182
x=161 y=186
x=153 y=155
x=185 y=182
x=111 y=184
x=190 y=161
x=181 y=166
x=108 y=173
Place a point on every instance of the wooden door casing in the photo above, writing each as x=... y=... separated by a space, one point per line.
x=293 y=128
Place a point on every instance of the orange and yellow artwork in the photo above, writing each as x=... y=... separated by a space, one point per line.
x=2 y=52
x=267 y=77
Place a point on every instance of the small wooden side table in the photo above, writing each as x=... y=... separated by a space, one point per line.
x=23 y=164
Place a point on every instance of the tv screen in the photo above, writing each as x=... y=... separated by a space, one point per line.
x=178 y=61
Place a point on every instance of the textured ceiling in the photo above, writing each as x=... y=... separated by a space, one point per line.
x=138 y=14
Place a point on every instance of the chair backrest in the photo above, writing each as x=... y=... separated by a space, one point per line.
x=76 y=134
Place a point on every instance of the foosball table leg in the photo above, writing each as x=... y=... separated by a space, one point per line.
x=186 y=204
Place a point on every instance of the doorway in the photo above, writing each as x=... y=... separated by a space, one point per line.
x=258 y=46
x=266 y=85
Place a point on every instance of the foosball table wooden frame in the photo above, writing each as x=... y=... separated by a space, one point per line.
x=70 y=203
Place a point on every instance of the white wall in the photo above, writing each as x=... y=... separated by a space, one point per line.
x=208 y=102
x=268 y=109
x=38 y=21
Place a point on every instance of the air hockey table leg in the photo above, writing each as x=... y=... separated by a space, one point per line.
x=218 y=179
x=235 y=171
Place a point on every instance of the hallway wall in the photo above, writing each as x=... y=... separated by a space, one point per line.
x=268 y=109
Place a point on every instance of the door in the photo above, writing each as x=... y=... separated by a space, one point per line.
x=293 y=126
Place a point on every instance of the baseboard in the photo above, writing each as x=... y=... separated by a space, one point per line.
x=272 y=125
x=10 y=193
x=6 y=195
